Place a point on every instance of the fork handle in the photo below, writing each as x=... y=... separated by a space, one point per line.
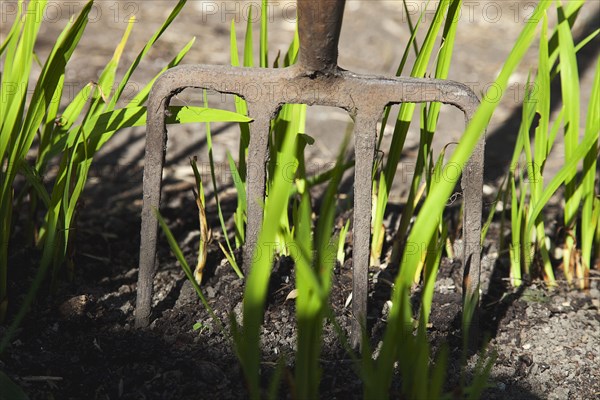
x=319 y=26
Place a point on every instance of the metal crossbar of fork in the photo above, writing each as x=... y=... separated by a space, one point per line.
x=315 y=79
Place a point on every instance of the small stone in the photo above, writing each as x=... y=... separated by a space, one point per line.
x=187 y=295
x=126 y=308
x=559 y=393
x=526 y=359
x=211 y=292
x=74 y=307
x=544 y=377
x=545 y=313
x=546 y=329
x=534 y=370
x=170 y=339
x=530 y=312
x=124 y=289
x=238 y=311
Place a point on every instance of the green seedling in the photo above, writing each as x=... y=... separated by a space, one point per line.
x=529 y=240
x=74 y=136
x=205 y=232
x=189 y=273
x=398 y=343
x=247 y=336
x=341 y=254
x=446 y=16
x=199 y=327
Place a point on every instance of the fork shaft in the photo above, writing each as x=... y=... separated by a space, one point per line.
x=319 y=26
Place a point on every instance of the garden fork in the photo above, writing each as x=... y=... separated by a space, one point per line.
x=315 y=79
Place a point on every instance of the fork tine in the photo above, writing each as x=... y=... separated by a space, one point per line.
x=365 y=133
x=154 y=158
x=256 y=178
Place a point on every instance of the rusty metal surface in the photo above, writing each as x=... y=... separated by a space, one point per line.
x=314 y=80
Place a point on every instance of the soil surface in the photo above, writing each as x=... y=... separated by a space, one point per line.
x=80 y=342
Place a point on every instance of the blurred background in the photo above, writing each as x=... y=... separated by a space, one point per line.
x=373 y=38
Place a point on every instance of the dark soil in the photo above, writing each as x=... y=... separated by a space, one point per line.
x=80 y=343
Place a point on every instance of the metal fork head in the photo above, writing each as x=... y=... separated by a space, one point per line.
x=315 y=80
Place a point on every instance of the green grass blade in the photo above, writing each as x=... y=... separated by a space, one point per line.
x=34 y=179
x=431 y=118
x=401 y=129
x=515 y=247
x=542 y=147
x=241 y=209
x=411 y=42
x=554 y=130
x=107 y=77
x=428 y=218
x=145 y=50
x=216 y=189
x=185 y=266
x=289 y=122
x=233 y=48
x=341 y=254
x=313 y=276
x=571 y=13
x=141 y=97
x=10 y=390
x=413 y=29
x=255 y=292
x=242 y=108
x=248 y=43
x=15 y=79
x=586 y=40
x=74 y=109
x=490 y=217
x=325 y=248
x=307 y=304
x=564 y=173
x=434 y=255
x=77 y=157
x=264 y=55
x=107 y=123
x=438 y=374
x=10 y=41
x=273 y=390
x=589 y=174
x=569 y=78
x=543 y=109
x=521 y=238
x=49 y=77
x=50 y=123
x=292 y=54
x=10 y=46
